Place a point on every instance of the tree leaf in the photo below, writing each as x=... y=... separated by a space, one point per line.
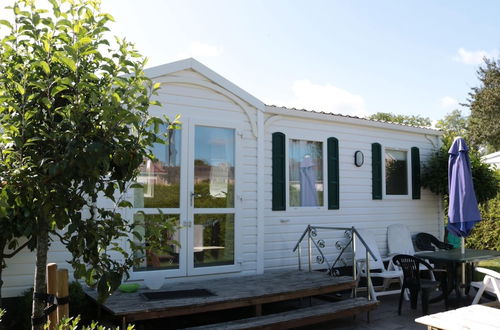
x=84 y=41
x=19 y=88
x=45 y=67
x=6 y=23
x=125 y=204
x=116 y=97
x=67 y=61
x=46 y=45
x=57 y=89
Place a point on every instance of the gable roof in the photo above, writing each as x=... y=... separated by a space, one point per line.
x=191 y=63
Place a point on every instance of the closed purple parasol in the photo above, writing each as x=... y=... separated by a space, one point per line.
x=463 y=212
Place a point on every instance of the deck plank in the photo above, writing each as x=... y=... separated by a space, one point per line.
x=298 y=317
x=230 y=292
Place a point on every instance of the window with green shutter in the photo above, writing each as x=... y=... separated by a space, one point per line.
x=415 y=173
x=333 y=173
x=305 y=173
x=376 y=171
x=278 y=174
x=396 y=172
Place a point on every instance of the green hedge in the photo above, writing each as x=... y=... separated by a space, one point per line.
x=486 y=234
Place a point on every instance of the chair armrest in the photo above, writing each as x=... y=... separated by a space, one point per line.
x=489 y=272
x=391 y=265
x=424 y=251
x=361 y=264
x=439 y=270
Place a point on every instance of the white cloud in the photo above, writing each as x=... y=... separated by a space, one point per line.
x=472 y=57
x=199 y=49
x=327 y=98
x=449 y=102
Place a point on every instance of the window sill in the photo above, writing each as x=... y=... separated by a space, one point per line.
x=396 y=197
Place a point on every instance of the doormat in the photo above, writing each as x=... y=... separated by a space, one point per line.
x=177 y=294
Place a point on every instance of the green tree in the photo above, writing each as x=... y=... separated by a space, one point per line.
x=401 y=119
x=484 y=104
x=74 y=125
x=486 y=181
x=435 y=175
x=452 y=125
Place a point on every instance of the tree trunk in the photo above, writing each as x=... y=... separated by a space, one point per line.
x=2 y=327
x=2 y=246
x=40 y=285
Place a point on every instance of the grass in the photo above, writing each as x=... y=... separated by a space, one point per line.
x=490 y=264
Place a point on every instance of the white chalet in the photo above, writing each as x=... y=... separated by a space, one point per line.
x=243 y=180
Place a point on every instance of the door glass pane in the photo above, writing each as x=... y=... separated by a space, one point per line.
x=161 y=178
x=306 y=173
x=160 y=239
x=213 y=240
x=396 y=173
x=214 y=167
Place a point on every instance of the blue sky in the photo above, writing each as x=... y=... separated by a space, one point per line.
x=351 y=57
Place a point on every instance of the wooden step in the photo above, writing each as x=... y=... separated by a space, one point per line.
x=299 y=317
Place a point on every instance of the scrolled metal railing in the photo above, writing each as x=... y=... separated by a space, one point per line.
x=311 y=232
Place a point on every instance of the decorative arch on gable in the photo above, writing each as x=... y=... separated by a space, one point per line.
x=248 y=110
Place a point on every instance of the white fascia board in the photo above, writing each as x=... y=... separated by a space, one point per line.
x=491 y=156
x=191 y=63
x=347 y=120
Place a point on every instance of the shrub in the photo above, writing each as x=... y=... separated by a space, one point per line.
x=73 y=323
x=435 y=176
x=486 y=234
x=80 y=305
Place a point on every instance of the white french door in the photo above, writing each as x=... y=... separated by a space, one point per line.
x=194 y=184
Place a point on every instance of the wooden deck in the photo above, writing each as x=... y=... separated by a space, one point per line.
x=232 y=292
x=297 y=317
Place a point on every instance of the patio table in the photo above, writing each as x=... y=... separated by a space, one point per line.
x=477 y=317
x=454 y=257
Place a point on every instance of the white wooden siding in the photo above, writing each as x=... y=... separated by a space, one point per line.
x=283 y=228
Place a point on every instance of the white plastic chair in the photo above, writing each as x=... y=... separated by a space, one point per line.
x=490 y=283
x=387 y=274
x=399 y=242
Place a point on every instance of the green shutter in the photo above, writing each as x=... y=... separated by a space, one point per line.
x=279 y=180
x=333 y=173
x=415 y=173
x=376 y=171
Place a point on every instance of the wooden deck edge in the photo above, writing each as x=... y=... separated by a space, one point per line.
x=296 y=318
x=229 y=304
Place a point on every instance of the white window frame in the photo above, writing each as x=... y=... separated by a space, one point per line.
x=408 y=173
x=308 y=137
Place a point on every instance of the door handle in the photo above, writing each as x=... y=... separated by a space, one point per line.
x=193 y=196
x=187 y=224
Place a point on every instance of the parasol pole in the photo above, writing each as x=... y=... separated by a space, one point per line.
x=462 y=249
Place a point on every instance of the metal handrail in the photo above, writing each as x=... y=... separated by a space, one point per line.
x=309 y=228
x=311 y=241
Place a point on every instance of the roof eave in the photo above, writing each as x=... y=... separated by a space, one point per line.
x=191 y=63
x=348 y=120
